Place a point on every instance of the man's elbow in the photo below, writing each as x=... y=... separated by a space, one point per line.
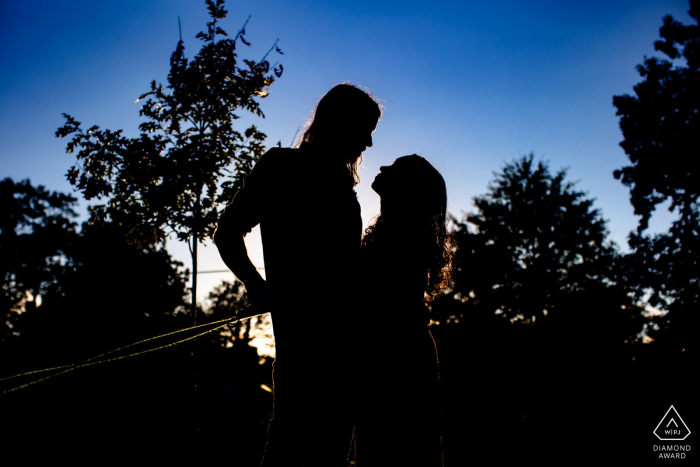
x=219 y=235
x=215 y=236
x=227 y=240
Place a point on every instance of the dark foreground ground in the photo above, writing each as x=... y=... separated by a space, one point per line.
x=548 y=406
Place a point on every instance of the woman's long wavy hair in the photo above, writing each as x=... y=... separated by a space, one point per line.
x=343 y=104
x=426 y=214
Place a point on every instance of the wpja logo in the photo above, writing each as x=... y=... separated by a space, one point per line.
x=672 y=428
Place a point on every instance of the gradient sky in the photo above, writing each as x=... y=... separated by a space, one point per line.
x=468 y=85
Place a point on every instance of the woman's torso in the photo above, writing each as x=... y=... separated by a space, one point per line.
x=397 y=371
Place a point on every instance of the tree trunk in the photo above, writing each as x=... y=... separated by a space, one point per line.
x=193 y=308
x=195 y=241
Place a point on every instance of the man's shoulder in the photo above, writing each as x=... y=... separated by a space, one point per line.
x=274 y=163
x=277 y=157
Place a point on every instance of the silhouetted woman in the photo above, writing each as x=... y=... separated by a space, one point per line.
x=405 y=255
x=311 y=232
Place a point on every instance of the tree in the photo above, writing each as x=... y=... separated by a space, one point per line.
x=660 y=125
x=535 y=250
x=169 y=179
x=76 y=293
x=536 y=317
x=114 y=293
x=225 y=301
x=37 y=237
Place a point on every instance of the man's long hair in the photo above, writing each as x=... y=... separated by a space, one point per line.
x=344 y=103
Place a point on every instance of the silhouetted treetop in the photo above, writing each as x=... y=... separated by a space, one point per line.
x=174 y=176
x=533 y=243
x=660 y=123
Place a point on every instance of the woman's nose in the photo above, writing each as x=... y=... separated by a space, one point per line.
x=369 y=141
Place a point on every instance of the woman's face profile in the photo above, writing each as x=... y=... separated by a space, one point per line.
x=394 y=181
x=409 y=188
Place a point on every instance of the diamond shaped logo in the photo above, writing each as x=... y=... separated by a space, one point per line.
x=671 y=427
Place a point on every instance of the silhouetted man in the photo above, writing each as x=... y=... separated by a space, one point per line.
x=311 y=231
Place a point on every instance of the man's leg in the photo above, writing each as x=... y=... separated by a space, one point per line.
x=311 y=425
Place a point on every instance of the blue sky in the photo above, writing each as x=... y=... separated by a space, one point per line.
x=468 y=85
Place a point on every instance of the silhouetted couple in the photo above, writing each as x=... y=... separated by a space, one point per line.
x=350 y=324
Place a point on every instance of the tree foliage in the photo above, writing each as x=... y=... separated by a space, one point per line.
x=662 y=272
x=173 y=177
x=660 y=125
x=77 y=292
x=533 y=250
x=227 y=299
x=37 y=237
x=537 y=316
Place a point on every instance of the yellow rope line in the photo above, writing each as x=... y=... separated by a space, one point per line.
x=89 y=361
x=39 y=380
x=115 y=350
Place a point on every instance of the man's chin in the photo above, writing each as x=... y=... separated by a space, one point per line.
x=350 y=158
